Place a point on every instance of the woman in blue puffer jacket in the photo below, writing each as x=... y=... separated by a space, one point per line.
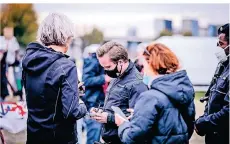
x=165 y=113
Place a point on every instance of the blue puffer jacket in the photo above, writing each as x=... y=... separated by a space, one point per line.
x=93 y=78
x=163 y=115
x=50 y=81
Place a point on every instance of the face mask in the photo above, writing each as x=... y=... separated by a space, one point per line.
x=146 y=79
x=113 y=73
x=221 y=56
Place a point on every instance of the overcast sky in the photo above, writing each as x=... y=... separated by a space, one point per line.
x=114 y=19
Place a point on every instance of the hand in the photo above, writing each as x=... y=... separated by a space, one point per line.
x=131 y=111
x=107 y=78
x=95 y=110
x=81 y=92
x=200 y=126
x=196 y=129
x=80 y=101
x=119 y=120
x=101 y=117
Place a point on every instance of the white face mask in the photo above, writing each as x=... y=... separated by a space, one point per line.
x=221 y=56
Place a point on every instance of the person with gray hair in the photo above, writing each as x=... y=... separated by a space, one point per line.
x=123 y=90
x=51 y=84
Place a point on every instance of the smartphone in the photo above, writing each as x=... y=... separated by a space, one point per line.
x=118 y=111
x=81 y=87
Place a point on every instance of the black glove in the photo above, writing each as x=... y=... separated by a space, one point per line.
x=200 y=126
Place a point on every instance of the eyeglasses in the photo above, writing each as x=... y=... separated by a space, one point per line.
x=146 y=52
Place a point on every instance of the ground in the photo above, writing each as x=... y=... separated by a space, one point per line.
x=20 y=138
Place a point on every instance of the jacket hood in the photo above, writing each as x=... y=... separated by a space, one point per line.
x=176 y=86
x=38 y=57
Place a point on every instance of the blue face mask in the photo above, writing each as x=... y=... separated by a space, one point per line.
x=147 y=79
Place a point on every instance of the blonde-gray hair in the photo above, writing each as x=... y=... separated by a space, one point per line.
x=55 y=29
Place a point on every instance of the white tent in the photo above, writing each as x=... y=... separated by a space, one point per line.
x=197 y=56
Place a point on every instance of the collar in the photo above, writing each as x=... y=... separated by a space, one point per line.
x=226 y=63
x=127 y=71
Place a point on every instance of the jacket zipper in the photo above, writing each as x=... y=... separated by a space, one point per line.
x=109 y=94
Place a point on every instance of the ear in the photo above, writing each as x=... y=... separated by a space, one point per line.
x=69 y=40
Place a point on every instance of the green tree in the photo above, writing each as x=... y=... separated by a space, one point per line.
x=94 y=37
x=166 y=33
x=187 y=33
x=22 y=18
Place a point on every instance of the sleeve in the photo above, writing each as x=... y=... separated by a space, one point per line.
x=134 y=95
x=142 y=121
x=212 y=121
x=189 y=117
x=111 y=119
x=90 y=76
x=70 y=97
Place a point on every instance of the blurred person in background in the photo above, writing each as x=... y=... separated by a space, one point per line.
x=139 y=62
x=8 y=48
x=123 y=91
x=94 y=78
x=79 y=126
x=214 y=123
x=142 y=61
x=166 y=112
x=51 y=84
x=18 y=73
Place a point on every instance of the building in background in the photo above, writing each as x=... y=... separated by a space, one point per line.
x=161 y=25
x=212 y=30
x=203 y=31
x=132 y=45
x=132 y=32
x=190 y=51
x=190 y=25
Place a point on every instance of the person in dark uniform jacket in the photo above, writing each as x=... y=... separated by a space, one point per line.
x=214 y=123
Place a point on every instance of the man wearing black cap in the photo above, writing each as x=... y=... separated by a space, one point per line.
x=214 y=123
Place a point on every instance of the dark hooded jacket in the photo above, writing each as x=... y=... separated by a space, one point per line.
x=50 y=80
x=214 y=123
x=163 y=115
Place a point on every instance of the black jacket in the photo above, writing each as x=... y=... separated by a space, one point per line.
x=50 y=80
x=123 y=93
x=214 y=124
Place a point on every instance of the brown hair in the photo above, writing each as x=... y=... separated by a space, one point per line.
x=162 y=59
x=115 y=50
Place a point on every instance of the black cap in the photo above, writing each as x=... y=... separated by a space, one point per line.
x=224 y=29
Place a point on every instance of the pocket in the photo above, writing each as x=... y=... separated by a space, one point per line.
x=221 y=86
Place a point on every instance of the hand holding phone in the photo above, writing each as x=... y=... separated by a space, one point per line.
x=81 y=88
x=119 y=112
